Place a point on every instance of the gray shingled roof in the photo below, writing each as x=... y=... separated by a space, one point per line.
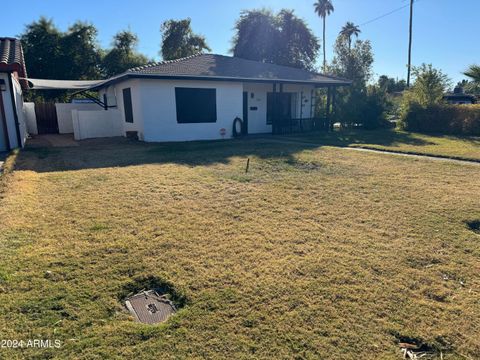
x=11 y=56
x=220 y=67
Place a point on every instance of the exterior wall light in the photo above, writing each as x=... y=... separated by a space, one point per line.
x=3 y=86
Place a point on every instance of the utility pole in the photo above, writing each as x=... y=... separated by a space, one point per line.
x=410 y=44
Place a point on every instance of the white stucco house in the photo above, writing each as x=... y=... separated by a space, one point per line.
x=12 y=70
x=200 y=96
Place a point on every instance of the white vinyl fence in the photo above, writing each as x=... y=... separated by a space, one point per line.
x=64 y=115
x=30 y=118
x=95 y=124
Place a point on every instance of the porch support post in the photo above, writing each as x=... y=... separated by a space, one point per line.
x=327 y=111
x=334 y=107
x=281 y=122
x=274 y=108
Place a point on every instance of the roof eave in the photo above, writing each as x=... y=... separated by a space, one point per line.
x=123 y=77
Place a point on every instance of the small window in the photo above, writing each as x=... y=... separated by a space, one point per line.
x=196 y=105
x=127 y=105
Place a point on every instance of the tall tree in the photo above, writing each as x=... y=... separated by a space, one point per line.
x=355 y=63
x=429 y=86
x=42 y=49
x=255 y=37
x=324 y=8
x=473 y=72
x=349 y=30
x=355 y=103
x=123 y=55
x=390 y=85
x=81 y=54
x=282 y=39
x=179 y=40
x=53 y=54
x=297 y=46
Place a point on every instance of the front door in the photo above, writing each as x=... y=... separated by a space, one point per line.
x=46 y=115
x=245 y=113
x=279 y=107
x=284 y=106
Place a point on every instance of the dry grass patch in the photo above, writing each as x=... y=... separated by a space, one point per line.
x=458 y=147
x=314 y=253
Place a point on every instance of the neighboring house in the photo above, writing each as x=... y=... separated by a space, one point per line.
x=458 y=96
x=12 y=69
x=200 y=96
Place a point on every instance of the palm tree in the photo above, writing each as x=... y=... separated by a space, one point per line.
x=348 y=30
x=473 y=73
x=323 y=8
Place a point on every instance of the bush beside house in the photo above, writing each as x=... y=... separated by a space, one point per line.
x=442 y=118
x=424 y=110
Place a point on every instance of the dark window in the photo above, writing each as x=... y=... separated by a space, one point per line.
x=196 y=105
x=127 y=105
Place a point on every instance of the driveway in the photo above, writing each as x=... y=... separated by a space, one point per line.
x=52 y=140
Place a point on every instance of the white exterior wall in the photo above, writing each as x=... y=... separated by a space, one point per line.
x=64 y=114
x=30 y=118
x=257 y=119
x=3 y=143
x=159 y=113
x=18 y=97
x=96 y=124
x=154 y=109
x=115 y=98
x=10 y=112
x=155 y=114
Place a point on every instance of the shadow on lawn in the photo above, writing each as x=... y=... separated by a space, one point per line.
x=371 y=137
x=118 y=152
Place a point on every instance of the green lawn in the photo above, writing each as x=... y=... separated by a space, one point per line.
x=315 y=253
x=436 y=145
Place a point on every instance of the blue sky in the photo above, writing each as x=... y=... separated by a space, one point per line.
x=445 y=31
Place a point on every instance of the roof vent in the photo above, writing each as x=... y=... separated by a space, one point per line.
x=149 y=307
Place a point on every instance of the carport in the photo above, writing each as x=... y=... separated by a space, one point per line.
x=55 y=118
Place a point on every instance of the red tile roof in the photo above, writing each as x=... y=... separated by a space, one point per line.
x=11 y=56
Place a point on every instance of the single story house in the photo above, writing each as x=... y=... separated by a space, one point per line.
x=200 y=96
x=13 y=130
x=459 y=97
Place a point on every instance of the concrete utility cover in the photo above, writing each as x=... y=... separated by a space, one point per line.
x=149 y=307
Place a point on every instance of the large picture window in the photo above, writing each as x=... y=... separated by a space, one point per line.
x=196 y=105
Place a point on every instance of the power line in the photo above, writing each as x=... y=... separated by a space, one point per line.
x=386 y=14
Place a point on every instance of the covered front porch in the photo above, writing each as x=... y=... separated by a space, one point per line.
x=283 y=108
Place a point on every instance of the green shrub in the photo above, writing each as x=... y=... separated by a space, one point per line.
x=363 y=108
x=441 y=118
